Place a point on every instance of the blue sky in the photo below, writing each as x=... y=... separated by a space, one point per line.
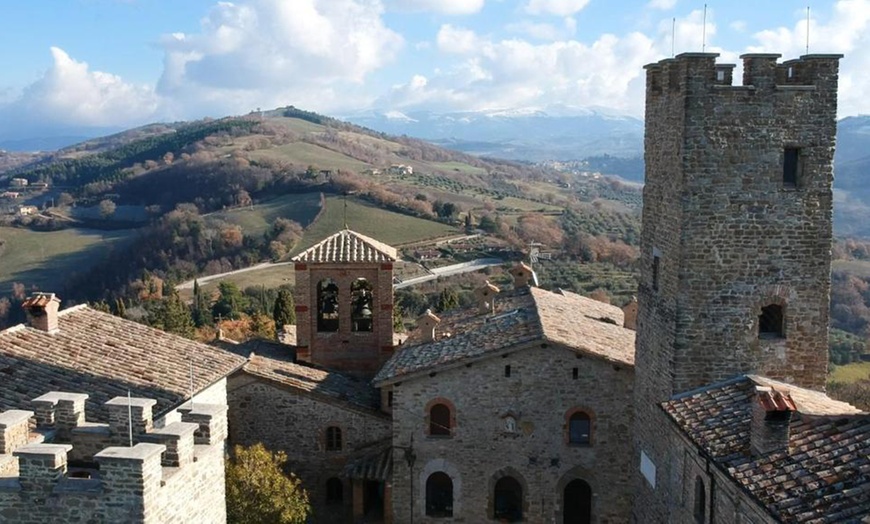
x=72 y=64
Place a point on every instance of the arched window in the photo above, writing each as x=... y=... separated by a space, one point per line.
x=327 y=305
x=508 y=500
x=771 y=322
x=579 y=429
x=439 y=495
x=333 y=438
x=361 y=305
x=577 y=503
x=700 y=506
x=334 y=491
x=439 y=420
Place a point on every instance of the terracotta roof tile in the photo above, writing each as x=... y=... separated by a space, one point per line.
x=105 y=356
x=824 y=476
x=348 y=246
x=520 y=317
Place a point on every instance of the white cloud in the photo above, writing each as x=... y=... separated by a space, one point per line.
x=738 y=25
x=555 y=7
x=450 y=7
x=70 y=94
x=545 y=31
x=457 y=40
x=662 y=4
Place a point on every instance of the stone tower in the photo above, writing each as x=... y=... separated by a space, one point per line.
x=736 y=239
x=344 y=303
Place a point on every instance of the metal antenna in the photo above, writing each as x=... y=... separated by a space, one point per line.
x=190 y=363
x=808 y=29
x=673 y=35
x=345 y=210
x=704 y=32
x=130 y=416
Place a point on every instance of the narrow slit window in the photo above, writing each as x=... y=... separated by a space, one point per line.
x=655 y=272
x=791 y=166
x=507 y=371
x=575 y=373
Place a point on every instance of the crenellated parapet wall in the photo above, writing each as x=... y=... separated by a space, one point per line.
x=55 y=466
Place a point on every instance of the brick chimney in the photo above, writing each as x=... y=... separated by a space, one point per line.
x=485 y=297
x=771 y=419
x=629 y=314
x=523 y=275
x=426 y=324
x=41 y=311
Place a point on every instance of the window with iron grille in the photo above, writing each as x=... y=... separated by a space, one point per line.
x=333 y=438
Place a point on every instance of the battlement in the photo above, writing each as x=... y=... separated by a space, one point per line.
x=53 y=452
x=695 y=73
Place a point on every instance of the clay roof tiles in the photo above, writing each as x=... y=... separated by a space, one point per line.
x=520 y=317
x=825 y=475
x=105 y=356
x=348 y=246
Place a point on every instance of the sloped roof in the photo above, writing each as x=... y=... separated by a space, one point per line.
x=275 y=365
x=105 y=356
x=521 y=317
x=348 y=246
x=826 y=475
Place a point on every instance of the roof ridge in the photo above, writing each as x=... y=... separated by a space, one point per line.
x=14 y=329
x=708 y=387
x=348 y=246
x=73 y=309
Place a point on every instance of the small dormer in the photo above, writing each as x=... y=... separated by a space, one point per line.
x=484 y=296
x=524 y=275
x=426 y=325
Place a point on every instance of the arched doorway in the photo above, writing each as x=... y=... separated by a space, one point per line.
x=508 y=500
x=577 y=502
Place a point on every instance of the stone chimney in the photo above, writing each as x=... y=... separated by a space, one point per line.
x=485 y=298
x=41 y=311
x=523 y=275
x=771 y=419
x=629 y=314
x=426 y=324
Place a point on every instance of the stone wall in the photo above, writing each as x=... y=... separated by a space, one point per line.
x=359 y=353
x=539 y=395
x=170 y=475
x=731 y=235
x=295 y=422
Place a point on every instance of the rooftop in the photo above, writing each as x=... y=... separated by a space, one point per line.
x=520 y=317
x=348 y=246
x=824 y=476
x=105 y=356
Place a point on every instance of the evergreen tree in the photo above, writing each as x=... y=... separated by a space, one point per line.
x=231 y=303
x=447 y=300
x=258 y=492
x=172 y=315
x=284 y=311
x=262 y=327
x=120 y=308
x=201 y=313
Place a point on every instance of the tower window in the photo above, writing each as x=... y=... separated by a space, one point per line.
x=700 y=506
x=439 y=420
x=327 y=306
x=333 y=438
x=579 y=429
x=507 y=371
x=790 y=166
x=362 y=305
x=771 y=322
x=575 y=373
x=655 y=272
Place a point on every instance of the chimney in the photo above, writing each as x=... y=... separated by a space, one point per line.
x=485 y=298
x=771 y=419
x=523 y=275
x=629 y=314
x=41 y=311
x=426 y=324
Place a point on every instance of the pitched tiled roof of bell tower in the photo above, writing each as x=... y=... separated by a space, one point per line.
x=348 y=246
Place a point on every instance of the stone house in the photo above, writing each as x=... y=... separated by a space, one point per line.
x=107 y=420
x=18 y=183
x=27 y=210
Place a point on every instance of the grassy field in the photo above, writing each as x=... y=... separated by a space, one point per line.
x=849 y=373
x=47 y=260
x=859 y=268
x=391 y=228
x=457 y=167
x=303 y=153
x=302 y=208
x=271 y=277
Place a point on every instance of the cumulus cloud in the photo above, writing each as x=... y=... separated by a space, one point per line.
x=555 y=7
x=457 y=40
x=545 y=31
x=662 y=4
x=450 y=7
x=70 y=94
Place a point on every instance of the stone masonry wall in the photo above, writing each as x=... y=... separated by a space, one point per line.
x=539 y=393
x=731 y=236
x=359 y=353
x=296 y=422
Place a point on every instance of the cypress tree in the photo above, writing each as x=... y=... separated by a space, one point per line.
x=284 y=311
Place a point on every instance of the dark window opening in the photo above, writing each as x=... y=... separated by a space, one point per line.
x=334 y=491
x=389 y=399
x=579 y=429
x=327 y=306
x=333 y=438
x=575 y=373
x=770 y=322
x=655 y=272
x=361 y=305
x=508 y=500
x=700 y=506
x=790 y=166
x=439 y=420
x=439 y=495
x=507 y=371
x=577 y=502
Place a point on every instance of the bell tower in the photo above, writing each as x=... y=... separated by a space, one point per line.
x=344 y=303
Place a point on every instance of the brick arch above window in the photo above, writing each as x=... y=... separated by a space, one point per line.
x=579 y=428
x=440 y=418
